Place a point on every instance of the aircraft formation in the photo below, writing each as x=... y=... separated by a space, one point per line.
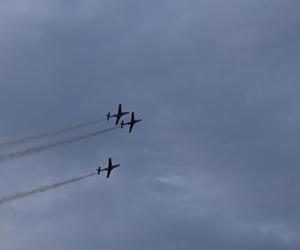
x=119 y=115
x=130 y=123
x=43 y=147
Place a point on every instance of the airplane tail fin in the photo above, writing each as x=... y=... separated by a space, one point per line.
x=108 y=115
x=122 y=124
x=99 y=170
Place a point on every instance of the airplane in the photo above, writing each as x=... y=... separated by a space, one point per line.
x=108 y=169
x=131 y=123
x=118 y=115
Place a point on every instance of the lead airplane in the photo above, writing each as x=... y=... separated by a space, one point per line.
x=132 y=122
x=108 y=169
x=118 y=115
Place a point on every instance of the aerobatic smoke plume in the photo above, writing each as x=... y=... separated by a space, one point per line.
x=22 y=195
x=28 y=139
x=44 y=147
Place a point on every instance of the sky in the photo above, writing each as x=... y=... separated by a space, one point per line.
x=215 y=162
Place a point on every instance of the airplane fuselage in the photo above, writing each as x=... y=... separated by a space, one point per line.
x=114 y=166
x=119 y=115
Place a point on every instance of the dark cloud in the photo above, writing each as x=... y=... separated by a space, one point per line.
x=214 y=164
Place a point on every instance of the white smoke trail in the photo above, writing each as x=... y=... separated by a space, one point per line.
x=22 y=195
x=44 y=147
x=28 y=139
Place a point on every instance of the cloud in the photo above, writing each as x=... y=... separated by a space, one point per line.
x=214 y=163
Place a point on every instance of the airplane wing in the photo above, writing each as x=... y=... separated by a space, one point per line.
x=132 y=122
x=119 y=114
x=108 y=173
x=118 y=119
x=131 y=126
x=120 y=109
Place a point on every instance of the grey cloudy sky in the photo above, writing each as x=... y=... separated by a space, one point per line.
x=214 y=165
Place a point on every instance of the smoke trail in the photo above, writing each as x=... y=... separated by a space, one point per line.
x=28 y=139
x=44 y=147
x=22 y=195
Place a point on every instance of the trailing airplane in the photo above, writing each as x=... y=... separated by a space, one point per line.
x=132 y=122
x=118 y=115
x=108 y=169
